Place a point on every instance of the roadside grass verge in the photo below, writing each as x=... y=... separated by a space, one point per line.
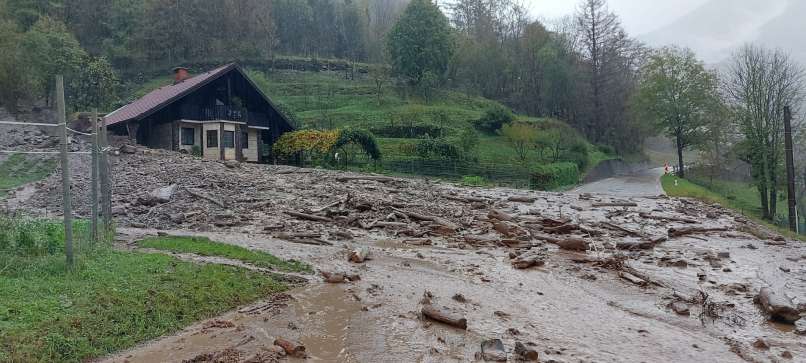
x=19 y=169
x=205 y=247
x=741 y=198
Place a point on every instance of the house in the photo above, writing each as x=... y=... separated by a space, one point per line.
x=218 y=115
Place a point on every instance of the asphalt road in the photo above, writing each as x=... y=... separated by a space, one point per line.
x=639 y=184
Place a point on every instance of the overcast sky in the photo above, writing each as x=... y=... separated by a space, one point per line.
x=637 y=16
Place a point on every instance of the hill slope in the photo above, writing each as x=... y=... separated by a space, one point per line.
x=327 y=100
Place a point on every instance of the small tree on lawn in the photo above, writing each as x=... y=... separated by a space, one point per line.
x=521 y=136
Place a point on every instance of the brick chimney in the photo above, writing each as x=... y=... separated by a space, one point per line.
x=180 y=74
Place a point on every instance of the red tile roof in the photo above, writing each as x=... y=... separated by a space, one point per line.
x=163 y=96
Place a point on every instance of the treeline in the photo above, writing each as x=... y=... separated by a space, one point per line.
x=139 y=33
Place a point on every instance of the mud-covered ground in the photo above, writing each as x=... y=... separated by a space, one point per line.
x=615 y=279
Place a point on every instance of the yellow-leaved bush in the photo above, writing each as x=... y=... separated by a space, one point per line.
x=316 y=142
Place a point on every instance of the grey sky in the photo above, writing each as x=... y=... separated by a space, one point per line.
x=637 y=16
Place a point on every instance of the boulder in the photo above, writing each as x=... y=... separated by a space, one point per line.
x=778 y=306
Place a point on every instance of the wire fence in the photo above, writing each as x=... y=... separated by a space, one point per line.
x=502 y=175
x=101 y=196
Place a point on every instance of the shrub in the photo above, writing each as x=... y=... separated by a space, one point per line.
x=550 y=176
x=606 y=149
x=494 y=119
x=314 y=142
x=577 y=154
x=468 y=140
x=363 y=138
x=196 y=151
x=437 y=149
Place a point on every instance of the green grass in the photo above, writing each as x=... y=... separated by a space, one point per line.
x=741 y=197
x=110 y=301
x=18 y=170
x=205 y=247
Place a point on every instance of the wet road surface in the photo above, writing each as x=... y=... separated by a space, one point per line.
x=641 y=183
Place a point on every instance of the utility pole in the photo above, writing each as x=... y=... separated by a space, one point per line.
x=790 y=170
x=66 y=201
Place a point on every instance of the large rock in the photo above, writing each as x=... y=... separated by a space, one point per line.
x=778 y=306
x=158 y=196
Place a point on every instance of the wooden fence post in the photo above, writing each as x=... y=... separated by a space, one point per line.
x=94 y=188
x=66 y=201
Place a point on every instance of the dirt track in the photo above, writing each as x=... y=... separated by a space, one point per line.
x=450 y=241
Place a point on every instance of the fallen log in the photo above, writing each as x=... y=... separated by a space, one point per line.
x=628 y=231
x=632 y=245
x=522 y=199
x=480 y=240
x=206 y=197
x=382 y=179
x=444 y=316
x=466 y=199
x=778 y=306
x=528 y=260
x=291 y=348
x=683 y=231
x=668 y=218
x=614 y=204
x=382 y=224
x=499 y=215
x=428 y=218
x=309 y=217
x=287 y=235
x=573 y=244
x=544 y=237
x=632 y=278
x=562 y=229
x=418 y=242
x=359 y=255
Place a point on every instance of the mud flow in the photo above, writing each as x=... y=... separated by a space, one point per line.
x=410 y=270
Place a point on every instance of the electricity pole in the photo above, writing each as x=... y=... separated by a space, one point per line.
x=790 y=170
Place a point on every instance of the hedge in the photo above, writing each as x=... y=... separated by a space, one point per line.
x=550 y=176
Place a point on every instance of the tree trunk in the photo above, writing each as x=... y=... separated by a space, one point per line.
x=762 y=189
x=681 y=171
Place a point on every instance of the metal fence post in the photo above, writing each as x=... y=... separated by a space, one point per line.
x=94 y=176
x=66 y=201
x=103 y=170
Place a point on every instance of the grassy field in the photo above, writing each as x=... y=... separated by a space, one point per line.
x=19 y=169
x=110 y=300
x=205 y=247
x=741 y=197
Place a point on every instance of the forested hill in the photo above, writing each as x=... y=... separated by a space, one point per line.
x=492 y=49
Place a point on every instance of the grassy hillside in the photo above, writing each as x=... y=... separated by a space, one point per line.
x=327 y=100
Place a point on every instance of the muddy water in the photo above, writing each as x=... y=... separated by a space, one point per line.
x=326 y=313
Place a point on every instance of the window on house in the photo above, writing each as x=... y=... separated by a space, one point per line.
x=212 y=138
x=228 y=141
x=188 y=136
x=244 y=140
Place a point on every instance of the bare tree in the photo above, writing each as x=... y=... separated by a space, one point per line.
x=759 y=84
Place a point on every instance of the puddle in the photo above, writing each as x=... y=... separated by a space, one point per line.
x=326 y=312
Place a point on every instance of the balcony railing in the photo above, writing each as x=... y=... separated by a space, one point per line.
x=226 y=113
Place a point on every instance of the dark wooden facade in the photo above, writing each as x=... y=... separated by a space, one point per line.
x=227 y=102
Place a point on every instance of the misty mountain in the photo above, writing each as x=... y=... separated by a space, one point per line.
x=717 y=28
